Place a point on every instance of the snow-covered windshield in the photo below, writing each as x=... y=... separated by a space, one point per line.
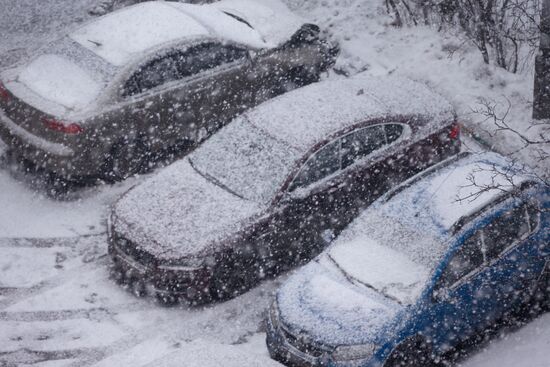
x=387 y=256
x=245 y=160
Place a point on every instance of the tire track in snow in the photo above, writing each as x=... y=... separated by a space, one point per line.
x=94 y=313
x=19 y=294
x=71 y=242
x=89 y=247
x=29 y=356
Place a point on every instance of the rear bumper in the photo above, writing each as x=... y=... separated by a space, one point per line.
x=53 y=157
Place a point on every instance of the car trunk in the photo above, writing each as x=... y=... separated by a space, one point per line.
x=29 y=117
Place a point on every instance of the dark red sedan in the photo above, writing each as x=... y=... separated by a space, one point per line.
x=271 y=189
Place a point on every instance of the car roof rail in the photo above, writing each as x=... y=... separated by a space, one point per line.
x=459 y=224
x=428 y=171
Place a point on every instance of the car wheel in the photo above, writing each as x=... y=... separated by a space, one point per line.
x=413 y=352
x=231 y=278
x=125 y=159
x=541 y=296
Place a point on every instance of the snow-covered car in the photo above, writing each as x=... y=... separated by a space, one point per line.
x=109 y=95
x=433 y=261
x=269 y=190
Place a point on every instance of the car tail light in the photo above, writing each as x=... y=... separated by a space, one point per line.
x=454 y=133
x=62 y=126
x=4 y=94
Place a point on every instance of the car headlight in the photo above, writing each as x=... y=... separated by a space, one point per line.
x=188 y=265
x=351 y=352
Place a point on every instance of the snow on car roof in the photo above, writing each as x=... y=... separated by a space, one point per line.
x=436 y=202
x=119 y=36
x=306 y=116
x=116 y=37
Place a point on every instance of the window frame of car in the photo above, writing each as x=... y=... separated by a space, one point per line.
x=164 y=51
x=289 y=189
x=485 y=217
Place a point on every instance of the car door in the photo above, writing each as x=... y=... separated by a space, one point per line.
x=369 y=162
x=326 y=193
x=217 y=87
x=300 y=222
x=511 y=253
x=462 y=294
x=188 y=93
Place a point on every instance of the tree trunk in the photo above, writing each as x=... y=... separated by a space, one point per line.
x=541 y=103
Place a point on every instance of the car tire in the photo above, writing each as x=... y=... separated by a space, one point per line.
x=126 y=159
x=541 y=296
x=413 y=352
x=232 y=276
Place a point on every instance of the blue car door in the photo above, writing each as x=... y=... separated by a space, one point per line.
x=462 y=294
x=510 y=244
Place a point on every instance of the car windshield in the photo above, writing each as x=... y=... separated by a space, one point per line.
x=245 y=160
x=386 y=256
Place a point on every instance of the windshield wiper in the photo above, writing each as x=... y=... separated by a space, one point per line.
x=214 y=181
x=238 y=18
x=354 y=280
x=98 y=44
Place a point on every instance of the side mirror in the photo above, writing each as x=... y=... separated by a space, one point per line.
x=251 y=56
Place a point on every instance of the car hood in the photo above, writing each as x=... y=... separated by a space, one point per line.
x=178 y=213
x=321 y=303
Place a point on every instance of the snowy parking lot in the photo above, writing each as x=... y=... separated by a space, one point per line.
x=58 y=306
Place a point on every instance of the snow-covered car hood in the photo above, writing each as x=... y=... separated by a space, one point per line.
x=381 y=267
x=172 y=220
x=321 y=303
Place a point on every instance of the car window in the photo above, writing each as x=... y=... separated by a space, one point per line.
x=361 y=143
x=159 y=72
x=534 y=216
x=208 y=56
x=504 y=231
x=467 y=259
x=323 y=163
x=393 y=132
x=179 y=65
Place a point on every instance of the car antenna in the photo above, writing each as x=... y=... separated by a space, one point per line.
x=98 y=44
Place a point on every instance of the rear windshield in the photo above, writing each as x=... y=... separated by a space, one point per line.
x=56 y=78
x=68 y=74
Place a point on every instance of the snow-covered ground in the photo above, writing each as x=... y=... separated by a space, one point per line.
x=59 y=308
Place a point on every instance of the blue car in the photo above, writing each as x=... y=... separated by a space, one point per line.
x=427 y=266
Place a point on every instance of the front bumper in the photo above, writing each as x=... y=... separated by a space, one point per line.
x=282 y=350
x=141 y=273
